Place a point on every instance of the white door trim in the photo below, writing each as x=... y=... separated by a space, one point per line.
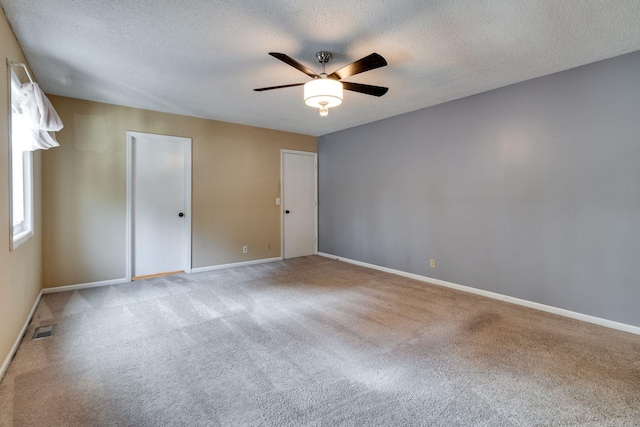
x=284 y=151
x=187 y=191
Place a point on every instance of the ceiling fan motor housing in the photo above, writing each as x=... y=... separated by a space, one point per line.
x=323 y=57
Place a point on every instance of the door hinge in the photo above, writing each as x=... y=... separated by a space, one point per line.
x=315 y=240
x=315 y=166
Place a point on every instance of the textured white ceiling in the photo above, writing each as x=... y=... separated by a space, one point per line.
x=203 y=57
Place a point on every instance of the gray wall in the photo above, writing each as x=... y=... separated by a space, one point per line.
x=531 y=190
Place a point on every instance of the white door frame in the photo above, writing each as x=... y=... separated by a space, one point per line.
x=187 y=191
x=283 y=151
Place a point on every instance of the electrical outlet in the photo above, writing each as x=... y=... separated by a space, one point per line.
x=432 y=263
x=245 y=249
x=277 y=201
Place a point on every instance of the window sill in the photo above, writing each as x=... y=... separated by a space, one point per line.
x=20 y=238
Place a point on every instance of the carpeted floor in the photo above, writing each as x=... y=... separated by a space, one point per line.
x=312 y=341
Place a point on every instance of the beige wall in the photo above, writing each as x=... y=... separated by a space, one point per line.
x=236 y=178
x=20 y=270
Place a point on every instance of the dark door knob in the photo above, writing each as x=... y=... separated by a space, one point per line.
x=180 y=214
x=286 y=212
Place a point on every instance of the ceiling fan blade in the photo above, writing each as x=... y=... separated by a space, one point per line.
x=277 y=87
x=295 y=64
x=367 y=63
x=366 y=89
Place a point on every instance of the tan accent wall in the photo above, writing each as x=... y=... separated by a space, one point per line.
x=236 y=179
x=20 y=270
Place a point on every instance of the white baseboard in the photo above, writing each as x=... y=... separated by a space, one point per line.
x=84 y=286
x=235 y=264
x=537 y=306
x=124 y=280
x=16 y=344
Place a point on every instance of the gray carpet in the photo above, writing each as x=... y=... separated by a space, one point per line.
x=312 y=341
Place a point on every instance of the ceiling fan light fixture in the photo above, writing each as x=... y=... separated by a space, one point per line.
x=323 y=92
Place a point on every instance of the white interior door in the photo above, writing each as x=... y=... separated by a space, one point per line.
x=160 y=197
x=299 y=203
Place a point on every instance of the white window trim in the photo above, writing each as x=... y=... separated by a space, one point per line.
x=22 y=232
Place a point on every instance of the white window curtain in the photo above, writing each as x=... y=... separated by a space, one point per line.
x=36 y=118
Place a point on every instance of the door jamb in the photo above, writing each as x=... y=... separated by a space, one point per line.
x=283 y=151
x=129 y=196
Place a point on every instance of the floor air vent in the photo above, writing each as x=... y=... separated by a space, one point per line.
x=44 y=332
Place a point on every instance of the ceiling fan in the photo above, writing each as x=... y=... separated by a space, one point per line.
x=325 y=91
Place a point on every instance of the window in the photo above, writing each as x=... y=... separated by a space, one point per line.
x=21 y=171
